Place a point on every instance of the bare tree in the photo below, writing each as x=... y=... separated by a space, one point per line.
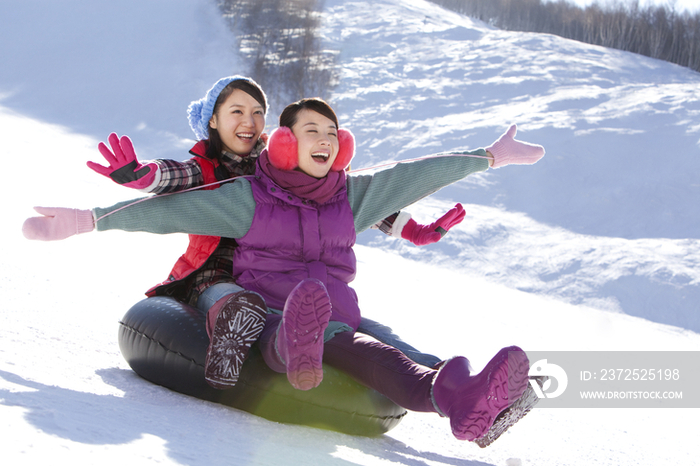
x=278 y=40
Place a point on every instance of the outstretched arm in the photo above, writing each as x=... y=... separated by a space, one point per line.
x=164 y=175
x=199 y=213
x=373 y=197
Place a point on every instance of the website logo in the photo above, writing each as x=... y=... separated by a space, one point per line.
x=552 y=372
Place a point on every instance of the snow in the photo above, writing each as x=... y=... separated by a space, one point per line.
x=597 y=247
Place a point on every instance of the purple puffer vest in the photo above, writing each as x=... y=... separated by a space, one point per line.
x=291 y=239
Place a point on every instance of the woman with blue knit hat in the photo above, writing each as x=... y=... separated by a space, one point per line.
x=228 y=123
x=295 y=222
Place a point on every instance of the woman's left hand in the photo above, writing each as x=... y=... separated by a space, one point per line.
x=420 y=235
x=507 y=150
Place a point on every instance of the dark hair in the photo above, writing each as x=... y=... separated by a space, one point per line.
x=250 y=87
x=289 y=115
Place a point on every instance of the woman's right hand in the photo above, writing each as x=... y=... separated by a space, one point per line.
x=124 y=167
x=57 y=223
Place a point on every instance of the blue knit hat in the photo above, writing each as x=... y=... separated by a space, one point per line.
x=200 y=111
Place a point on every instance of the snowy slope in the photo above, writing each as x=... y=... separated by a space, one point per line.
x=612 y=207
x=82 y=69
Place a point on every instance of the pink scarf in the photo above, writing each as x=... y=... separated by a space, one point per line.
x=302 y=185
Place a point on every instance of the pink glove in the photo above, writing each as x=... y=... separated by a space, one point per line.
x=508 y=151
x=124 y=168
x=57 y=223
x=421 y=235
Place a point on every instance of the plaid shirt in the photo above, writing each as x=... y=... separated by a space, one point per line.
x=179 y=176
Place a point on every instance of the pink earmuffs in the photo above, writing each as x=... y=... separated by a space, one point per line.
x=283 y=153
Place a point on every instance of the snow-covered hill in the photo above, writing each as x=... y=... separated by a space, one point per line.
x=613 y=208
x=594 y=248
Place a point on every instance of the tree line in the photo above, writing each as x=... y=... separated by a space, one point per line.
x=653 y=31
x=279 y=43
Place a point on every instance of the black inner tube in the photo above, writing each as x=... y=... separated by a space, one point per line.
x=165 y=342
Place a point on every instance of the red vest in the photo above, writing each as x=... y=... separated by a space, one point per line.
x=200 y=247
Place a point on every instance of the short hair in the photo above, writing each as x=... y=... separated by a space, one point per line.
x=289 y=115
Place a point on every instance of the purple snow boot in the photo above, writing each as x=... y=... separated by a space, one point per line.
x=300 y=337
x=473 y=402
x=234 y=323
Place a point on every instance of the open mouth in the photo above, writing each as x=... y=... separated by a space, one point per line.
x=320 y=157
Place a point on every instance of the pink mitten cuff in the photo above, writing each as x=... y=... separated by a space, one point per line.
x=84 y=221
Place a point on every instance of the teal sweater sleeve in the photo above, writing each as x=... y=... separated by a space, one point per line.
x=226 y=211
x=375 y=197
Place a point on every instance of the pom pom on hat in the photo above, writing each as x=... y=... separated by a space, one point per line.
x=200 y=111
x=283 y=151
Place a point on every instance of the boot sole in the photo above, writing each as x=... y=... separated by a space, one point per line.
x=307 y=313
x=509 y=416
x=506 y=380
x=238 y=325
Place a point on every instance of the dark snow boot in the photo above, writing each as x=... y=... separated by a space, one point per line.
x=473 y=402
x=300 y=336
x=236 y=322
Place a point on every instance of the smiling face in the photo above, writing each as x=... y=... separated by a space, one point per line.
x=239 y=120
x=317 y=142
